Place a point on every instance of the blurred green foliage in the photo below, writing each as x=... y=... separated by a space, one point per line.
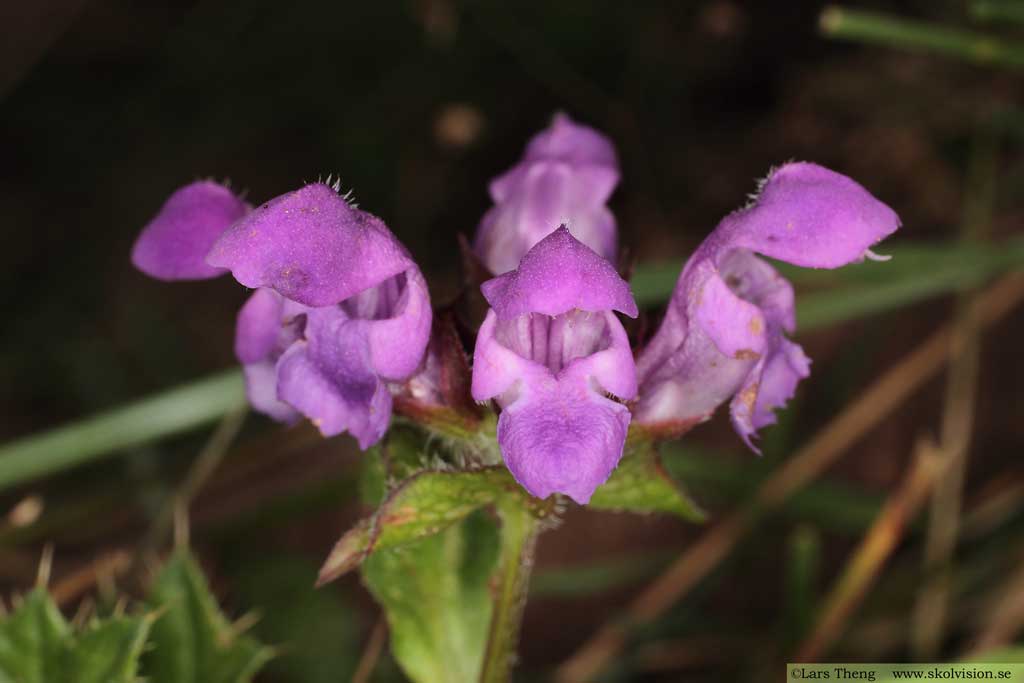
x=180 y=637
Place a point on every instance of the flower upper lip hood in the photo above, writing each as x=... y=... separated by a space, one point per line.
x=565 y=140
x=566 y=274
x=565 y=177
x=548 y=350
x=806 y=215
x=349 y=310
x=173 y=245
x=311 y=246
x=724 y=331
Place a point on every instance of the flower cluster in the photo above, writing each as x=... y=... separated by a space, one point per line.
x=340 y=319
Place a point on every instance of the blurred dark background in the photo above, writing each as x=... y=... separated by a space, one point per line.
x=106 y=106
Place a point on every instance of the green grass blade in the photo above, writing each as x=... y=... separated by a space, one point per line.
x=882 y=29
x=149 y=419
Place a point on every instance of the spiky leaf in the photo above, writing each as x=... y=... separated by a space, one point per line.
x=38 y=646
x=192 y=641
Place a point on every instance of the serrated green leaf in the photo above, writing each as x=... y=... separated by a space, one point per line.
x=192 y=641
x=38 y=646
x=436 y=598
x=32 y=641
x=641 y=484
x=423 y=505
x=108 y=651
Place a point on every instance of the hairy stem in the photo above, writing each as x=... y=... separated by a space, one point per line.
x=518 y=538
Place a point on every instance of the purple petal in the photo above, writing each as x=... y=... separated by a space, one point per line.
x=398 y=330
x=566 y=140
x=312 y=247
x=261 y=390
x=561 y=437
x=174 y=244
x=329 y=378
x=557 y=431
x=809 y=216
x=769 y=385
x=557 y=275
x=683 y=385
x=711 y=340
x=724 y=332
x=267 y=326
x=510 y=354
x=548 y=195
x=496 y=367
x=565 y=178
x=258 y=326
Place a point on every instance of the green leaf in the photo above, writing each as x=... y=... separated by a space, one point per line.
x=109 y=651
x=373 y=479
x=38 y=646
x=192 y=642
x=641 y=484
x=32 y=641
x=436 y=598
x=423 y=505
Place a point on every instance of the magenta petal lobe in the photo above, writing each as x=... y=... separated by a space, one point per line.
x=566 y=140
x=329 y=378
x=312 y=247
x=261 y=390
x=557 y=275
x=563 y=438
x=174 y=244
x=258 y=326
x=565 y=178
x=398 y=334
x=770 y=384
x=810 y=216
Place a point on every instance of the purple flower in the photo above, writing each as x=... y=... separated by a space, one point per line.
x=173 y=245
x=549 y=351
x=564 y=178
x=268 y=324
x=340 y=310
x=724 y=332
